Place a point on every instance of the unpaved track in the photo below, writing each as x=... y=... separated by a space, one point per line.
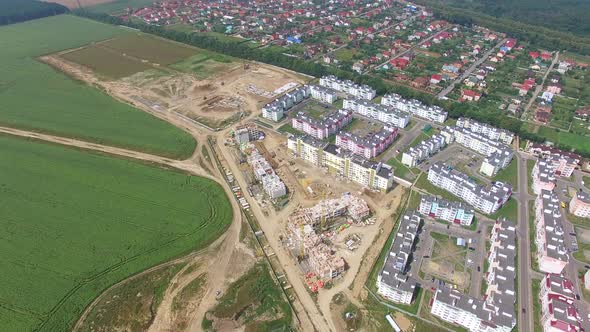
x=226 y=242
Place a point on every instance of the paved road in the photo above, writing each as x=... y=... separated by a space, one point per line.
x=539 y=88
x=407 y=136
x=408 y=50
x=525 y=300
x=469 y=70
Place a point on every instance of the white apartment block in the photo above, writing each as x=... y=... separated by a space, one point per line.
x=392 y=282
x=368 y=146
x=453 y=212
x=272 y=112
x=552 y=254
x=543 y=176
x=494 y=313
x=415 y=107
x=323 y=94
x=349 y=87
x=276 y=109
x=498 y=154
x=490 y=132
x=580 y=205
x=373 y=175
x=485 y=199
x=427 y=148
x=325 y=126
x=385 y=114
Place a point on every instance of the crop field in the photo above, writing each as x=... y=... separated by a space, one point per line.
x=205 y=64
x=37 y=97
x=74 y=223
x=104 y=61
x=150 y=48
x=118 y=5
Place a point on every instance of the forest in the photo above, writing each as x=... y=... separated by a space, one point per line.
x=14 y=11
x=564 y=15
x=542 y=33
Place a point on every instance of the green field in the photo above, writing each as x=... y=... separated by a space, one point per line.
x=119 y=5
x=106 y=62
x=576 y=141
x=36 y=97
x=74 y=223
x=150 y=48
x=205 y=64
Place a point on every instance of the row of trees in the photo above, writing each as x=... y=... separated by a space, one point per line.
x=14 y=11
x=275 y=57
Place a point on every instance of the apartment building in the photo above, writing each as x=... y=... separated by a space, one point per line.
x=323 y=94
x=263 y=172
x=393 y=283
x=486 y=130
x=427 y=148
x=552 y=254
x=324 y=126
x=498 y=154
x=556 y=285
x=580 y=204
x=495 y=312
x=543 y=176
x=415 y=107
x=453 y=212
x=560 y=316
x=368 y=146
x=563 y=161
x=276 y=109
x=495 y=162
x=349 y=87
x=487 y=199
x=385 y=114
x=373 y=175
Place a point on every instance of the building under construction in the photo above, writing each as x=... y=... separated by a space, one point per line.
x=306 y=237
x=247 y=133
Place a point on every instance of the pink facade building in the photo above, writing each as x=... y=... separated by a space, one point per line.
x=580 y=205
x=369 y=146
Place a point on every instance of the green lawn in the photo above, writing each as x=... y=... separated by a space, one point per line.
x=509 y=210
x=287 y=128
x=424 y=184
x=530 y=164
x=37 y=97
x=536 y=306
x=400 y=170
x=586 y=180
x=509 y=175
x=74 y=222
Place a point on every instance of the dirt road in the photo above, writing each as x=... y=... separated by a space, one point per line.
x=226 y=243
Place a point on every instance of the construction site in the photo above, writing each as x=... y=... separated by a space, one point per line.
x=312 y=231
x=214 y=94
